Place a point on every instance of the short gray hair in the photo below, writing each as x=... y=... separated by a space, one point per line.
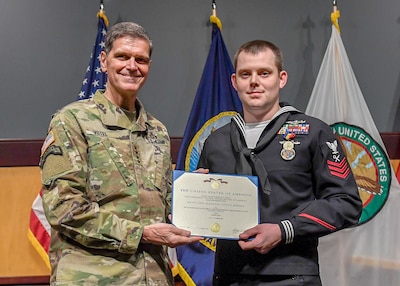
x=123 y=29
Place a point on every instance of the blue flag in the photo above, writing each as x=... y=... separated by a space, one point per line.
x=95 y=79
x=215 y=103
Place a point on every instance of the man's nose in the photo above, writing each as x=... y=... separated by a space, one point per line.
x=254 y=79
x=132 y=64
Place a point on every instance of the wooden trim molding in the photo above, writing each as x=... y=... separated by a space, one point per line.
x=392 y=144
x=27 y=280
x=26 y=152
x=20 y=152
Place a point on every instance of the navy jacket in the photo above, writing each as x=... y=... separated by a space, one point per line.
x=313 y=193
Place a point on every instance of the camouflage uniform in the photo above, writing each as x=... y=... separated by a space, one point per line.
x=105 y=176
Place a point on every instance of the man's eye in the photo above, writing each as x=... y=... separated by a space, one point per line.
x=142 y=61
x=245 y=74
x=265 y=73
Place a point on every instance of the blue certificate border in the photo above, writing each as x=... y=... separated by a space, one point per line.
x=254 y=179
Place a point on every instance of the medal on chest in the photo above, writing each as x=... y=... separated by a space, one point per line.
x=288 y=152
x=289 y=132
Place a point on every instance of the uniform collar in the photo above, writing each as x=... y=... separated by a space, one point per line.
x=285 y=107
x=114 y=116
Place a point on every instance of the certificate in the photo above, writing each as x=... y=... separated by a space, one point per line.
x=214 y=205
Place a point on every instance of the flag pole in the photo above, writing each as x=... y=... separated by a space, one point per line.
x=213 y=18
x=335 y=15
x=214 y=8
x=102 y=13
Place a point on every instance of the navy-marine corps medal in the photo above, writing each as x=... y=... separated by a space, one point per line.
x=288 y=153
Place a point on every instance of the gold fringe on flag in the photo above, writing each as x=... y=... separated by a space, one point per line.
x=335 y=15
x=102 y=14
x=214 y=19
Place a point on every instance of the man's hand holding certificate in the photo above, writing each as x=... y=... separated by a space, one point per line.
x=214 y=205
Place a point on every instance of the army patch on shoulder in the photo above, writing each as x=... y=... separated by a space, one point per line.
x=47 y=142
x=51 y=150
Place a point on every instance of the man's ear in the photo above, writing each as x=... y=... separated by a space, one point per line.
x=233 y=80
x=283 y=77
x=103 y=61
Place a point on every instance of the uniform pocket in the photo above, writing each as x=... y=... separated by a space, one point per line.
x=81 y=269
x=109 y=175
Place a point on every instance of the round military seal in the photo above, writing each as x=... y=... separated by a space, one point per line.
x=370 y=166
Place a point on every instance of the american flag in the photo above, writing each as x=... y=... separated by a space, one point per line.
x=95 y=79
x=39 y=228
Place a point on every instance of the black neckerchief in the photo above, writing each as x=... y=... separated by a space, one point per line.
x=247 y=159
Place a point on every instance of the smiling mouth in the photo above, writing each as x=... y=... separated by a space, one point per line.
x=131 y=77
x=128 y=75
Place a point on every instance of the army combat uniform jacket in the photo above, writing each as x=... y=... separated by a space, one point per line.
x=312 y=191
x=106 y=173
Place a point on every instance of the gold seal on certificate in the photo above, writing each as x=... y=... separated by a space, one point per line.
x=215 y=227
x=214 y=205
x=215 y=185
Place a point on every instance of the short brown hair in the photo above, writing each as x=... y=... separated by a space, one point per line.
x=257 y=46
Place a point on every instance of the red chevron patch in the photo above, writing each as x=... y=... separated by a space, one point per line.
x=339 y=169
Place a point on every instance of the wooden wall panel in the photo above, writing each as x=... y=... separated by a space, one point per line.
x=20 y=183
x=18 y=189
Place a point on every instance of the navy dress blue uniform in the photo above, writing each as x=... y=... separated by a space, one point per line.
x=311 y=192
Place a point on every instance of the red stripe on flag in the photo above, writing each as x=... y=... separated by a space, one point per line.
x=39 y=229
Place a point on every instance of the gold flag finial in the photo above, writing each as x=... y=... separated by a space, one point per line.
x=335 y=15
x=102 y=13
x=213 y=18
